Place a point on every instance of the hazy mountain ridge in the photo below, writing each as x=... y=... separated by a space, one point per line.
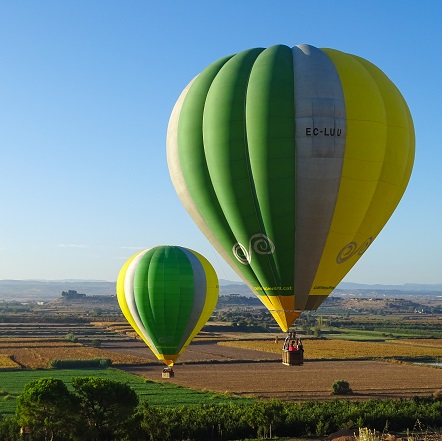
x=408 y=287
x=49 y=289
x=361 y=286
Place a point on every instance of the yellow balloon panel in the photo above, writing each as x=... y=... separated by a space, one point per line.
x=376 y=165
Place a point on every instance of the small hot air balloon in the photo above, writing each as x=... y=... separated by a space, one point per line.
x=167 y=294
x=291 y=161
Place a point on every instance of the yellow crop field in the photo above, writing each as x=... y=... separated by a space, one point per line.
x=342 y=349
x=40 y=357
x=7 y=363
x=121 y=327
x=114 y=326
x=37 y=343
x=427 y=342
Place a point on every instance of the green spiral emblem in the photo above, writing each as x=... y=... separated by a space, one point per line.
x=258 y=243
x=351 y=249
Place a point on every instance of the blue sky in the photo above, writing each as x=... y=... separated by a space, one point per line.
x=86 y=90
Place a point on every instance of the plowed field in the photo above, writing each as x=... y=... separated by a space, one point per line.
x=246 y=372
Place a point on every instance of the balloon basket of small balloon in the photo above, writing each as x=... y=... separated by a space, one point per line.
x=167 y=373
x=292 y=358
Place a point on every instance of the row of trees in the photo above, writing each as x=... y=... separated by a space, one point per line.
x=425 y=328
x=97 y=409
x=105 y=410
x=72 y=295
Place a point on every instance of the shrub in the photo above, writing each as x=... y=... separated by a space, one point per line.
x=71 y=337
x=366 y=434
x=341 y=387
x=81 y=363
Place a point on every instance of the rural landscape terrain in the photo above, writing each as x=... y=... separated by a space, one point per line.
x=375 y=342
x=385 y=347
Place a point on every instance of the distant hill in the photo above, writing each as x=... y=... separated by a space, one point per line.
x=33 y=290
x=29 y=290
x=229 y=287
x=224 y=282
x=406 y=287
x=21 y=290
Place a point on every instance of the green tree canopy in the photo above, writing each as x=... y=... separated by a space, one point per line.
x=107 y=407
x=47 y=409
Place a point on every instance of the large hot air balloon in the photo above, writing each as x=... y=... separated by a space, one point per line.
x=291 y=161
x=167 y=294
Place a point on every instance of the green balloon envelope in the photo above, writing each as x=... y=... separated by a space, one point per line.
x=291 y=161
x=167 y=294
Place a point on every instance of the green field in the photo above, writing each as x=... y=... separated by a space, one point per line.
x=360 y=335
x=155 y=393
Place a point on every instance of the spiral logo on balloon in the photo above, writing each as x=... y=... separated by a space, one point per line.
x=351 y=249
x=258 y=243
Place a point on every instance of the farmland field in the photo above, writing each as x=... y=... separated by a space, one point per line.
x=311 y=381
x=7 y=363
x=241 y=364
x=242 y=368
x=430 y=342
x=343 y=349
x=155 y=393
x=34 y=345
x=37 y=354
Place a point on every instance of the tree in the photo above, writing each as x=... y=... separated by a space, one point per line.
x=341 y=387
x=72 y=295
x=71 y=337
x=97 y=312
x=154 y=423
x=265 y=416
x=47 y=409
x=9 y=429
x=107 y=407
x=317 y=332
